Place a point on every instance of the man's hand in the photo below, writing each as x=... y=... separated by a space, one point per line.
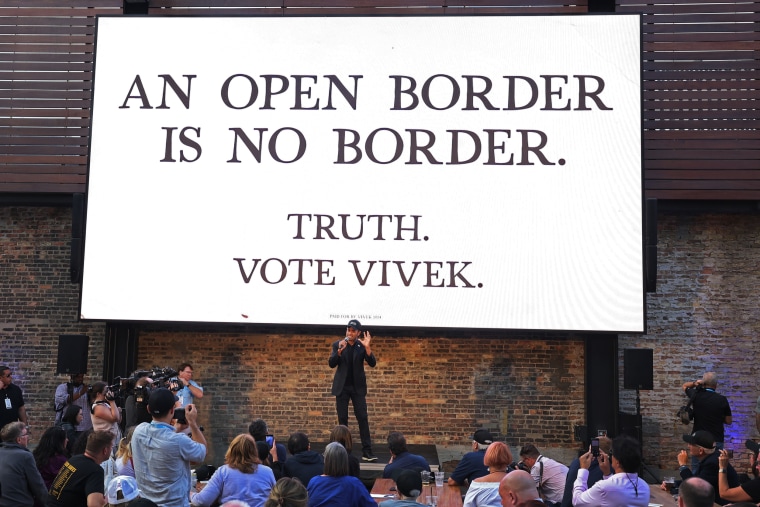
x=683 y=458
x=585 y=460
x=723 y=459
x=604 y=463
x=191 y=415
x=367 y=339
x=342 y=345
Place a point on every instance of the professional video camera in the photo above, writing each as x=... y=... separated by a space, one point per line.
x=518 y=465
x=125 y=387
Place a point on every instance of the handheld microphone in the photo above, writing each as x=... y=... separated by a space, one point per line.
x=345 y=339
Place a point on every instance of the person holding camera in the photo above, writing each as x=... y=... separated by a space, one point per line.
x=73 y=393
x=702 y=447
x=106 y=416
x=350 y=383
x=711 y=410
x=624 y=487
x=162 y=453
x=136 y=404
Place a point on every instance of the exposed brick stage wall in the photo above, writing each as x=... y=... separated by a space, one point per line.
x=436 y=390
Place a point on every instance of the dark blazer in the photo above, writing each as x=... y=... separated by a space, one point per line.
x=708 y=470
x=360 y=380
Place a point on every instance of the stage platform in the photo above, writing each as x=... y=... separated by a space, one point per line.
x=370 y=469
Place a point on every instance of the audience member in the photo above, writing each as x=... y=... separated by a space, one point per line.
x=484 y=491
x=242 y=477
x=625 y=487
x=711 y=410
x=106 y=416
x=702 y=447
x=287 y=492
x=80 y=481
x=72 y=418
x=531 y=503
x=471 y=466
x=190 y=388
x=746 y=492
x=401 y=458
x=342 y=435
x=12 y=407
x=20 y=480
x=696 y=492
x=303 y=463
x=161 y=455
x=549 y=474
x=124 y=465
x=259 y=431
x=408 y=488
x=517 y=487
x=335 y=488
x=122 y=490
x=269 y=459
x=50 y=453
x=73 y=393
x=81 y=443
x=594 y=472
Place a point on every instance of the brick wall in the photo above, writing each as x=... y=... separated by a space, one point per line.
x=703 y=317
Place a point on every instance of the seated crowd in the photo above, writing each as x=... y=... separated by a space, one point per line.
x=152 y=467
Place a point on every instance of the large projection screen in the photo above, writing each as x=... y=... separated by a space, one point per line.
x=438 y=172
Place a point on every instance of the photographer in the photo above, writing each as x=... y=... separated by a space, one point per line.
x=136 y=404
x=73 y=393
x=711 y=410
x=106 y=416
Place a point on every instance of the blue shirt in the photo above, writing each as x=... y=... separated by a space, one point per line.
x=232 y=484
x=161 y=458
x=345 y=491
x=403 y=461
x=470 y=467
x=185 y=395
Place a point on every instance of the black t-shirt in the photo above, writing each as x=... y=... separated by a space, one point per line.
x=11 y=399
x=710 y=411
x=752 y=488
x=79 y=477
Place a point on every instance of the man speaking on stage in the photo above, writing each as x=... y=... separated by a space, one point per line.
x=350 y=383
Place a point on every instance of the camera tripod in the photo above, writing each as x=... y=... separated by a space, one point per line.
x=640 y=437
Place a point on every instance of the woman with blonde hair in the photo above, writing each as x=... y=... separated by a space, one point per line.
x=288 y=492
x=242 y=477
x=124 y=465
x=484 y=491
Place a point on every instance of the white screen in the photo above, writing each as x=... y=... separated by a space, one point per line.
x=540 y=228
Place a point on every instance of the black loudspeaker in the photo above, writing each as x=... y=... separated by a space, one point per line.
x=638 y=370
x=72 y=353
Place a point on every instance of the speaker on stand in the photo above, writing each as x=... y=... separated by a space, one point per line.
x=638 y=374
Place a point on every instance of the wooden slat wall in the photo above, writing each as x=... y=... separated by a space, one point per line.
x=701 y=98
x=700 y=70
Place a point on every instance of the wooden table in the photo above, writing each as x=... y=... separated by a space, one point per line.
x=448 y=496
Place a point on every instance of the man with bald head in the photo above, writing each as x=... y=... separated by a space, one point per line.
x=516 y=487
x=695 y=492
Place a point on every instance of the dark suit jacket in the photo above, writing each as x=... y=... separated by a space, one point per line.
x=360 y=380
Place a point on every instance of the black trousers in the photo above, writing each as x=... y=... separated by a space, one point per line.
x=360 y=411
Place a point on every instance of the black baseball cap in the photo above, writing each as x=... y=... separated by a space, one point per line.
x=354 y=324
x=161 y=401
x=701 y=438
x=483 y=437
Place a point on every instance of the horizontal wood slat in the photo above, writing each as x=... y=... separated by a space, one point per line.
x=701 y=113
